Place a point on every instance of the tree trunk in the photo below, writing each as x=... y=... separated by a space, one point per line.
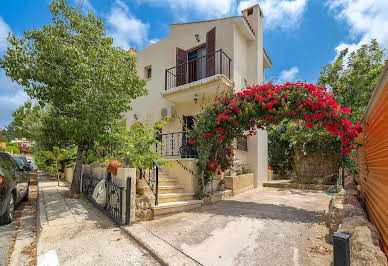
x=75 y=184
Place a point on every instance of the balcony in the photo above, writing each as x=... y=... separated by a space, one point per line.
x=205 y=74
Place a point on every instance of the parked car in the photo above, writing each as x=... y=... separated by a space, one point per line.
x=31 y=161
x=13 y=187
x=22 y=162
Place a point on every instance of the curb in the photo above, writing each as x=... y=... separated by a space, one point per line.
x=159 y=249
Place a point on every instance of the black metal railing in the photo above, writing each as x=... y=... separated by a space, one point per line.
x=175 y=145
x=151 y=177
x=205 y=66
x=115 y=195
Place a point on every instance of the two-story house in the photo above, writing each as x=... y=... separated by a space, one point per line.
x=197 y=61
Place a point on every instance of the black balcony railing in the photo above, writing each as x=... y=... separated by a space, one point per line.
x=197 y=69
x=175 y=145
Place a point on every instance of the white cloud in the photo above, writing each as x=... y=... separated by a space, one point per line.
x=278 y=14
x=4 y=30
x=126 y=29
x=288 y=75
x=205 y=8
x=153 y=41
x=366 y=20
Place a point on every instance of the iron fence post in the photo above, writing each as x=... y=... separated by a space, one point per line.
x=121 y=206
x=220 y=61
x=157 y=186
x=128 y=201
x=229 y=67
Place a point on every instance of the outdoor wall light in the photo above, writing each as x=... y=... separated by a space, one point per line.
x=195 y=98
x=197 y=37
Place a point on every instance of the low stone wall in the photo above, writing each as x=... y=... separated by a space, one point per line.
x=347 y=216
x=240 y=183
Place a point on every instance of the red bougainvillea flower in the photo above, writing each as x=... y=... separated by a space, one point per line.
x=194 y=141
x=265 y=105
x=235 y=108
x=212 y=165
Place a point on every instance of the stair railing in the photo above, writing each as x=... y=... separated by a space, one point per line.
x=151 y=177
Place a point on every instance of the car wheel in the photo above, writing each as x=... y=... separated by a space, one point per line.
x=25 y=198
x=9 y=211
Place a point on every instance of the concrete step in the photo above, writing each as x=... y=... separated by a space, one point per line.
x=144 y=190
x=171 y=197
x=162 y=182
x=177 y=206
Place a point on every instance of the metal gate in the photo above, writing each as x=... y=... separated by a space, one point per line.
x=116 y=195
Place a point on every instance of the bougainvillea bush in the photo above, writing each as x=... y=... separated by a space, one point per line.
x=234 y=115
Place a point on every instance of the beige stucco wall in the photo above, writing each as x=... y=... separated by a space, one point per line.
x=182 y=176
x=236 y=40
x=69 y=172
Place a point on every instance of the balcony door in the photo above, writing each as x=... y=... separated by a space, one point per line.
x=196 y=64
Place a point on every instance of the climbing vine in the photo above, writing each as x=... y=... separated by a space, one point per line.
x=234 y=115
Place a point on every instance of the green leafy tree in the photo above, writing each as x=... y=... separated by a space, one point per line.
x=352 y=77
x=12 y=147
x=72 y=65
x=57 y=155
x=135 y=146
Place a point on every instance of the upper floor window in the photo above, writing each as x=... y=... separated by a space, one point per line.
x=148 y=72
x=250 y=11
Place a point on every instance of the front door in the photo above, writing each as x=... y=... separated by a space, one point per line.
x=186 y=150
x=188 y=123
x=197 y=64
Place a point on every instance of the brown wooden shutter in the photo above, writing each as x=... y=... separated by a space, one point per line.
x=210 y=55
x=181 y=60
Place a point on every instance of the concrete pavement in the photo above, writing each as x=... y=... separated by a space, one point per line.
x=80 y=234
x=7 y=233
x=265 y=226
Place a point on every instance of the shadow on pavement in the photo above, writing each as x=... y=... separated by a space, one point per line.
x=263 y=211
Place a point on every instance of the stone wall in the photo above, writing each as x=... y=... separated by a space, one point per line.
x=346 y=215
x=315 y=167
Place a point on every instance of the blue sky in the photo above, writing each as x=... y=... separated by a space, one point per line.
x=300 y=36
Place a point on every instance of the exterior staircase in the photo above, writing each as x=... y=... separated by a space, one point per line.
x=172 y=197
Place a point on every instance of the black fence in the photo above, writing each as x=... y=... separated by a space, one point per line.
x=175 y=145
x=116 y=193
x=151 y=177
x=205 y=66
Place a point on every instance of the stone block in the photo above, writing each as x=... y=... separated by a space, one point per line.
x=363 y=250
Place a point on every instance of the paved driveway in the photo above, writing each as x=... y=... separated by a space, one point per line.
x=265 y=226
